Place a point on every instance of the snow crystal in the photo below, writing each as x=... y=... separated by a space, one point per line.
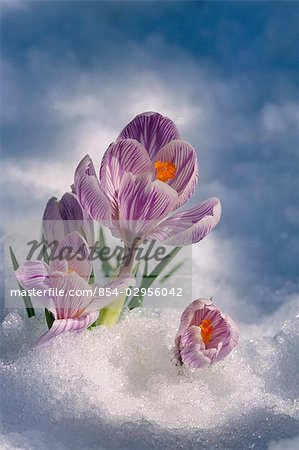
x=118 y=388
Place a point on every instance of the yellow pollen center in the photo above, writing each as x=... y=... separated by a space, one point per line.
x=70 y=271
x=206 y=330
x=165 y=170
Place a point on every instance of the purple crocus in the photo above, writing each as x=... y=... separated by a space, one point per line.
x=73 y=302
x=144 y=177
x=62 y=217
x=205 y=336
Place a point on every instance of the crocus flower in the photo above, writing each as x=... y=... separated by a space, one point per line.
x=73 y=302
x=144 y=177
x=62 y=217
x=205 y=336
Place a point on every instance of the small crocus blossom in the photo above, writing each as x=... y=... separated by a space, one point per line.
x=79 y=306
x=205 y=336
x=62 y=217
x=74 y=303
x=144 y=177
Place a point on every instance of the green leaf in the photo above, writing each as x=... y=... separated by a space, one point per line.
x=26 y=298
x=111 y=313
x=145 y=268
x=172 y=271
x=49 y=318
x=136 y=268
x=45 y=255
x=148 y=280
x=106 y=266
x=92 y=277
x=136 y=302
x=14 y=260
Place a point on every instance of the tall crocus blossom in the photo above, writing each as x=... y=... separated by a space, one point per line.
x=73 y=302
x=62 y=217
x=146 y=175
x=205 y=336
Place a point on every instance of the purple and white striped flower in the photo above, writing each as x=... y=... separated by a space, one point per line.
x=205 y=336
x=144 y=177
x=62 y=217
x=74 y=303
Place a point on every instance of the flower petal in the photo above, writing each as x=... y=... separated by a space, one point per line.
x=189 y=226
x=111 y=291
x=152 y=130
x=72 y=295
x=73 y=250
x=53 y=227
x=191 y=348
x=90 y=195
x=33 y=274
x=52 y=211
x=70 y=208
x=231 y=340
x=75 y=217
x=191 y=336
x=127 y=155
x=65 y=325
x=142 y=203
x=183 y=156
x=194 y=357
x=197 y=306
x=65 y=216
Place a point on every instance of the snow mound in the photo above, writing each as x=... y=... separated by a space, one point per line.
x=118 y=388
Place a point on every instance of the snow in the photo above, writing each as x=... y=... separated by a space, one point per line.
x=117 y=388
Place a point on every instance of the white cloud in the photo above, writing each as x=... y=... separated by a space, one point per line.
x=277 y=118
x=9 y=6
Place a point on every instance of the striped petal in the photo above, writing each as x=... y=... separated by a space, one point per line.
x=183 y=156
x=189 y=226
x=194 y=357
x=52 y=210
x=53 y=227
x=127 y=155
x=231 y=340
x=142 y=203
x=61 y=326
x=76 y=295
x=111 y=291
x=90 y=195
x=70 y=208
x=193 y=314
x=65 y=216
x=73 y=251
x=152 y=130
x=195 y=348
x=221 y=331
x=75 y=218
x=190 y=336
x=33 y=274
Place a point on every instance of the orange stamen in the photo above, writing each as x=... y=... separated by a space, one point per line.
x=165 y=170
x=206 y=330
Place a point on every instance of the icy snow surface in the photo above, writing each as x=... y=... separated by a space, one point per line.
x=118 y=388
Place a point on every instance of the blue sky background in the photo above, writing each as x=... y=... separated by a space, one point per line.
x=73 y=73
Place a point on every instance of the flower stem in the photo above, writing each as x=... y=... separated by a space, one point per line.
x=110 y=314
